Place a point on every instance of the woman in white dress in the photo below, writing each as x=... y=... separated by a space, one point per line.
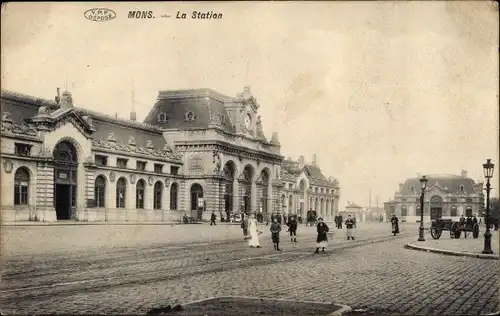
x=253 y=232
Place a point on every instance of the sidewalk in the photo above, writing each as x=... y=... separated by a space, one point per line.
x=469 y=247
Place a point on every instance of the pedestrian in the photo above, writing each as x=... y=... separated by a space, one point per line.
x=292 y=228
x=275 y=234
x=349 y=225
x=354 y=220
x=213 y=217
x=253 y=231
x=395 y=224
x=340 y=222
x=322 y=239
x=244 y=226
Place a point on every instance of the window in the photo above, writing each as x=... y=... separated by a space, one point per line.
x=461 y=188
x=468 y=200
x=322 y=190
x=121 y=163
x=453 y=211
x=121 y=193
x=174 y=170
x=453 y=200
x=141 y=165
x=412 y=189
x=158 y=192
x=316 y=190
x=100 y=191
x=173 y=196
x=101 y=160
x=158 y=168
x=290 y=185
x=22 y=149
x=404 y=210
x=139 y=194
x=21 y=185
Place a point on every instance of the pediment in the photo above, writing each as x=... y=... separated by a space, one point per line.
x=54 y=120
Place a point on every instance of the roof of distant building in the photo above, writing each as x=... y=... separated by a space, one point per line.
x=448 y=182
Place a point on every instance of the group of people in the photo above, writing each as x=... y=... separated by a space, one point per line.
x=252 y=231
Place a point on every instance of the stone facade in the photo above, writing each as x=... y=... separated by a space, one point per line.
x=196 y=152
x=305 y=188
x=446 y=196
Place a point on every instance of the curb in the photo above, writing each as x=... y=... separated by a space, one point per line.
x=453 y=253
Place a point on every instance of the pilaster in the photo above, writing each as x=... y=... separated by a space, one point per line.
x=45 y=210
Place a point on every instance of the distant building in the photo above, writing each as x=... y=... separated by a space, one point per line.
x=306 y=188
x=446 y=196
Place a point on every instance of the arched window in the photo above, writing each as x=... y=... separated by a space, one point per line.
x=283 y=198
x=100 y=191
x=121 y=193
x=461 y=188
x=404 y=210
x=453 y=210
x=173 y=196
x=158 y=195
x=21 y=186
x=139 y=194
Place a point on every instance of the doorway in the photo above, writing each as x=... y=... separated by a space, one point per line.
x=197 y=198
x=63 y=201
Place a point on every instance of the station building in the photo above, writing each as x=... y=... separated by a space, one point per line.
x=446 y=196
x=196 y=152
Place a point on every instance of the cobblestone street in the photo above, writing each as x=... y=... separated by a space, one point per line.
x=193 y=262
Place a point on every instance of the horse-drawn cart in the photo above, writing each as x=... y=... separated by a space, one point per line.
x=455 y=228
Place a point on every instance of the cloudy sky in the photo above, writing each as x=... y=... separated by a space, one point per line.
x=380 y=91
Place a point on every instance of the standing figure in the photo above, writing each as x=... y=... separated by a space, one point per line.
x=253 y=232
x=340 y=222
x=275 y=234
x=354 y=220
x=395 y=224
x=244 y=226
x=322 y=239
x=349 y=225
x=212 y=219
x=292 y=228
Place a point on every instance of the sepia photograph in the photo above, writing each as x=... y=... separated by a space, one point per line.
x=250 y=158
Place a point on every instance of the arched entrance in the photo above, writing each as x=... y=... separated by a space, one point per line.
x=246 y=188
x=468 y=211
x=264 y=187
x=197 y=201
x=302 y=206
x=436 y=207
x=228 y=182
x=65 y=179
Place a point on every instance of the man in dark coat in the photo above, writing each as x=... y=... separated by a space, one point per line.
x=340 y=222
x=244 y=225
x=322 y=239
x=292 y=228
x=212 y=219
x=275 y=234
x=395 y=224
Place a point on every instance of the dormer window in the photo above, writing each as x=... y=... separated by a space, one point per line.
x=412 y=189
x=22 y=149
x=461 y=188
x=162 y=118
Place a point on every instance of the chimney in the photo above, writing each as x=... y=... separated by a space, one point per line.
x=58 y=96
x=66 y=100
x=314 y=160
x=464 y=174
x=133 y=116
x=301 y=160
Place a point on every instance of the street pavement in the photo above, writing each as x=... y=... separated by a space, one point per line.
x=129 y=270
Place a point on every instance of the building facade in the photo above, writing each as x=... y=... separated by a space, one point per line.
x=446 y=196
x=306 y=188
x=196 y=152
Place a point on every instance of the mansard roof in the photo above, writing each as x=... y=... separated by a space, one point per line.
x=449 y=183
x=22 y=106
x=291 y=170
x=195 y=108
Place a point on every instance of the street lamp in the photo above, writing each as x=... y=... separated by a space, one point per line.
x=423 y=182
x=488 y=174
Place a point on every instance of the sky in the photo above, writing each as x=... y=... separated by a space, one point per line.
x=379 y=91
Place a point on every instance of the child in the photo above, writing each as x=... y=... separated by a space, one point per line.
x=322 y=239
x=275 y=233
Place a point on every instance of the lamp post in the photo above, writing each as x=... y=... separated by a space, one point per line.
x=423 y=182
x=488 y=174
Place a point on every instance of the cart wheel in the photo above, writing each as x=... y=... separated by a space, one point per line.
x=436 y=233
x=475 y=231
x=455 y=230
